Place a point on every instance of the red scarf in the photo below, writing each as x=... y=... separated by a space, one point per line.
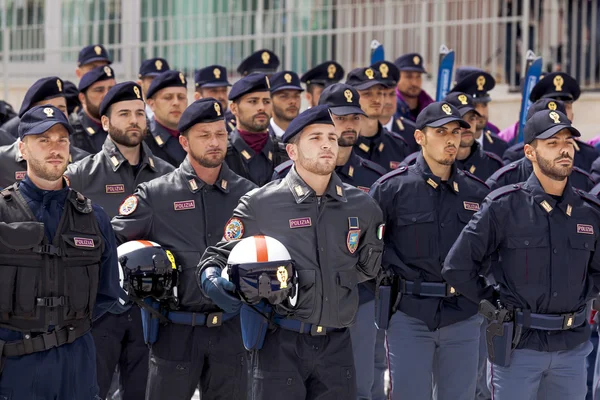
x=172 y=132
x=256 y=141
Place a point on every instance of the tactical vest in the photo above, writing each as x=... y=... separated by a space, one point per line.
x=45 y=283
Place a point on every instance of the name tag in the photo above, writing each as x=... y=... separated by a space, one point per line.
x=585 y=229
x=184 y=205
x=116 y=188
x=83 y=242
x=471 y=206
x=300 y=222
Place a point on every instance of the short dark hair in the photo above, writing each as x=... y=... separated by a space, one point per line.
x=310 y=88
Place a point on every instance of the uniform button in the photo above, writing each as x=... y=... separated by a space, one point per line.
x=586 y=245
x=289 y=382
x=322 y=249
x=209 y=235
x=554 y=294
x=326 y=298
x=555 y=251
x=414 y=219
x=442 y=225
x=527 y=243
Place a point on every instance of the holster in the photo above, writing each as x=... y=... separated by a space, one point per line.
x=386 y=301
x=499 y=341
x=254 y=321
x=150 y=322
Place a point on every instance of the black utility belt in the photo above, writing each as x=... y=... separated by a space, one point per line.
x=426 y=289
x=550 y=322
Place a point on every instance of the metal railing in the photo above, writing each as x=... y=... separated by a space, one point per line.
x=43 y=37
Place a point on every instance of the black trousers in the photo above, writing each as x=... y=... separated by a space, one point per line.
x=296 y=366
x=184 y=356
x=119 y=340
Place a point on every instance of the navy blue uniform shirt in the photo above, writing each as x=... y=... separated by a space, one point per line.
x=385 y=148
x=545 y=253
x=480 y=163
x=423 y=217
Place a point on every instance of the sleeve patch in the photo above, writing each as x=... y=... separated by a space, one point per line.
x=129 y=205
x=234 y=229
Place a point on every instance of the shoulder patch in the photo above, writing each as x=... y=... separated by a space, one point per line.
x=494 y=156
x=283 y=166
x=129 y=205
x=470 y=175
x=373 y=166
x=234 y=229
x=398 y=171
x=595 y=191
x=504 y=190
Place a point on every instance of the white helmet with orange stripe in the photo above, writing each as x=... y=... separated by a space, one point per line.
x=262 y=268
x=146 y=269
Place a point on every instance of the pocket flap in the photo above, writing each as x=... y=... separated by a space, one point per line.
x=582 y=242
x=306 y=278
x=21 y=235
x=347 y=279
x=415 y=218
x=524 y=242
x=82 y=241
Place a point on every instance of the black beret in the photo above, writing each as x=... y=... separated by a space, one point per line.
x=285 y=80
x=96 y=75
x=121 y=92
x=42 y=89
x=201 y=111
x=260 y=61
x=153 y=67
x=211 y=76
x=324 y=74
x=167 y=79
x=39 y=119
x=314 y=115
x=91 y=53
x=255 y=82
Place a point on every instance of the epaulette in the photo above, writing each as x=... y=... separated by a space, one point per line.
x=489 y=137
x=408 y=122
x=588 y=196
x=584 y=172
x=496 y=194
x=595 y=191
x=411 y=158
x=398 y=171
x=470 y=175
x=372 y=166
x=494 y=156
x=396 y=136
x=399 y=124
x=283 y=166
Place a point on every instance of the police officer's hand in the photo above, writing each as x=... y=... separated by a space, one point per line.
x=220 y=290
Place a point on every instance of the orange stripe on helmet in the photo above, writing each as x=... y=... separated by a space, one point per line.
x=146 y=243
x=262 y=254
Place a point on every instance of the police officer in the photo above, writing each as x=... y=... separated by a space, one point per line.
x=286 y=101
x=409 y=92
x=375 y=143
x=5 y=137
x=347 y=116
x=90 y=57
x=520 y=170
x=557 y=86
x=49 y=90
x=59 y=271
x=212 y=82
x=167 y=97
x=389 y=75
x=149 y=70
x=185 y=211
x=263 y=61
x=251 y=152
x=319 y=77
x=533 y=230
x=331 y=232
x=108 y=177
x=470 y=156
x=477 y=83
x=88 y=134
x=7 y=112
x=433 y=337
